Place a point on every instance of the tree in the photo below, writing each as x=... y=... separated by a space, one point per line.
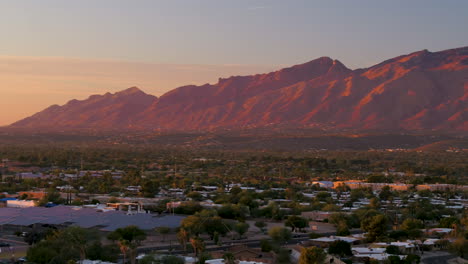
x=260 y=225
x=241 y=228
x=193 y=224
x=394 y=250
x=265 y=245
x=229 y=258
x=163 y=231
x=386 y=193
x=172 y=260
x=411 y=223
x=35 y=236
x=128 y=239
x=340 y=248
x=183 y=237
x=394 y=260
x=412 y=227
x=375 y=226
x=296 y=222
x=72 y=243
x=279 y=234
x=283 y=256
x=197 y=245
x=196 y=196
x=214 y=224
x=41 y=255
x=412 y=259
x=232 y=211
x=188 y=208
x=52 y=196
x=342 y=229
x=312 y=255
x=448 y=222
x=96 y=251
x=322 y=196
x=79 y=238
x=460 y=247
x=150 y=188
x=374 y=203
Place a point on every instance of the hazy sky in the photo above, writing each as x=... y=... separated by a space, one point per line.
x=53 y=51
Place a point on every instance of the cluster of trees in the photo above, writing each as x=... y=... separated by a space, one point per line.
x=77 y=244
x=72 y=243
x=210 y=223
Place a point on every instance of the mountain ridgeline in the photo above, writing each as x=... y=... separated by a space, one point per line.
x=419 y=91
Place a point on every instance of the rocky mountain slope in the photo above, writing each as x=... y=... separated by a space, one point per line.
x=419 y=91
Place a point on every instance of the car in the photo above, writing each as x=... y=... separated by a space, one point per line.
x=3 y=244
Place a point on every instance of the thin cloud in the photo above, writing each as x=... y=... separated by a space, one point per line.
x=257 y=8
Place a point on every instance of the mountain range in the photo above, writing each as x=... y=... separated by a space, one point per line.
x=418 y=91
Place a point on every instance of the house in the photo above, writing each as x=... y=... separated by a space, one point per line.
x=3 y=201
x=408 y=247
x=323 y=184
x=130 y=208
x=244 y=253
x=20 y=203
x=296 y=250
x=325 y=242
x=316 y=215
x=379 y=257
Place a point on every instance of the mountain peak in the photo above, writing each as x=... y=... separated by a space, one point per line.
x=131 y=90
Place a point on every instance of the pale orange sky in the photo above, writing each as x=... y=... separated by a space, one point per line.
x=30 y=84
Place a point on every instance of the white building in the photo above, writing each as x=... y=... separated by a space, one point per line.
x=20 y=203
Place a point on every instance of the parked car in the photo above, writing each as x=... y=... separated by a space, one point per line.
x=3 y=244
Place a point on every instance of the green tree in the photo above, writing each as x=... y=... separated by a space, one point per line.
x=183 y=237
x=128 y=239
x=283 y=256
x=196 y=196
x=375 y=227
x=394 y=250
x=72 y=243
x=41 y=255
x=386 y=193
x=163 y=231
x=265 y=245
x=411 y=223
x=448 y=222
x=279 y=234
x=260 y=225
x=340 y=248
x=342 y=229
x=312 y=255
x=296 y=222
x=52 y=196
x=229 y=258
x=460 y=247
x=412 y=227
x=412 y=259
x=172 y=260
x=197 y=245
x=193 y=224
x=241 y=228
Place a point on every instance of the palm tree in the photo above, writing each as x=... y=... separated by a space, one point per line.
x=123 y=246
x=128 y=239
x=229 y=258
x=183 y=238
x=197 y=245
